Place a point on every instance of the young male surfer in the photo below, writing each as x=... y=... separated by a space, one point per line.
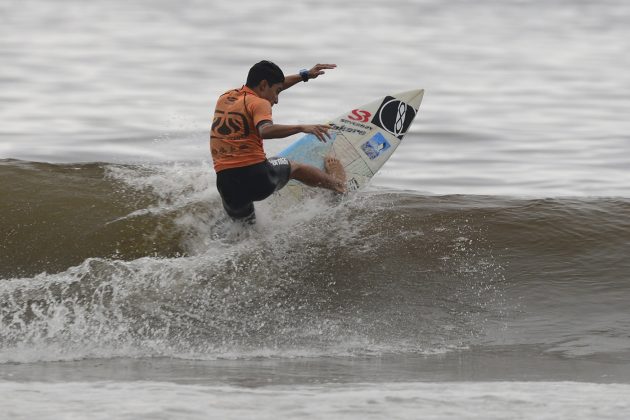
x=242 y=119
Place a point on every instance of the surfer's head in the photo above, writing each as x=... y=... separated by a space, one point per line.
x=266 y=79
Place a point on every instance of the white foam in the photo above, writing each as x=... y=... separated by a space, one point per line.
x=97 y=309
x=476 y=400
x=241 y=291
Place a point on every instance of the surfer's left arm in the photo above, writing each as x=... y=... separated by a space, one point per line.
x=269 y=130
x=313 y=73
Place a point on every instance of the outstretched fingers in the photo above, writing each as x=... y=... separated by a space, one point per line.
x=318 y=69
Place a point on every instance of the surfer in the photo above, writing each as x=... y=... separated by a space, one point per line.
x=242 y=119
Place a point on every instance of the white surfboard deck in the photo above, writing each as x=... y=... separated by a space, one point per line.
x=363 y=139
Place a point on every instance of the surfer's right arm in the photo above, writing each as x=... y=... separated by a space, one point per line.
x=313 y=73
x=269 y=130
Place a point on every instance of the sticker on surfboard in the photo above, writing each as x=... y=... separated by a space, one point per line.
x=376 y=145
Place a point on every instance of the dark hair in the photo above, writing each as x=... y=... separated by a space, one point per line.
x=264 y=70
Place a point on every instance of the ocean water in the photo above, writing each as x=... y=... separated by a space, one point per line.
x=484 y=273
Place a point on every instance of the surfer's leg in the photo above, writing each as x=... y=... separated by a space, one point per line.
x=333 y=179
x=238 y=201
x=238 y=211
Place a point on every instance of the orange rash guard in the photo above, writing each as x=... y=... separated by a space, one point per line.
x=234 y=138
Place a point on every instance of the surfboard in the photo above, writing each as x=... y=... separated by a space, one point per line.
x=363 y=139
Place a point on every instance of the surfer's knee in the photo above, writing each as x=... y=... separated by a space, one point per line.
x=296 y=169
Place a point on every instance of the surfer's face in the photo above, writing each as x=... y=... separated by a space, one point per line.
x=270 y=92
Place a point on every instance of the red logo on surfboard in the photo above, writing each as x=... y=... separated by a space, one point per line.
x=360 y=115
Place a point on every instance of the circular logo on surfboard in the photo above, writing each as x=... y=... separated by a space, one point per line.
x=394 y=116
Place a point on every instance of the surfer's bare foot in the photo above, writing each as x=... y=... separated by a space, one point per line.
x=334 y=168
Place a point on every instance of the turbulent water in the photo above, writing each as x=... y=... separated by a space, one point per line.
x=101 y=260
x=483 y=273
x=110 y=262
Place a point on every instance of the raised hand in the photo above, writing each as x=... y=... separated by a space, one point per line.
x=318 y=70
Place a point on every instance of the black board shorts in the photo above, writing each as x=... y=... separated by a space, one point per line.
x=240 y=187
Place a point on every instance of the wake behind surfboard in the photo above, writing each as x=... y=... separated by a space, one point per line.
x=363 y=139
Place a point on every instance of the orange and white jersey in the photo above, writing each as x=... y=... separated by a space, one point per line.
x=234 y=138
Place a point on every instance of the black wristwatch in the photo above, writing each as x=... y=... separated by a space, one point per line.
x=304 y=75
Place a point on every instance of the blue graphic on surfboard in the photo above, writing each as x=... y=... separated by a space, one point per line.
x=363 y=139
x=376 y=145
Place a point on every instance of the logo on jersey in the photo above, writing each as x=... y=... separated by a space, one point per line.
x=229 y=125
x=394 y=116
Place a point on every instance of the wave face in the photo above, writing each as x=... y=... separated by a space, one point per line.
x=104 y=260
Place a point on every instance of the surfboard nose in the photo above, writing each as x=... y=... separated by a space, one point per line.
x=411 y=97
